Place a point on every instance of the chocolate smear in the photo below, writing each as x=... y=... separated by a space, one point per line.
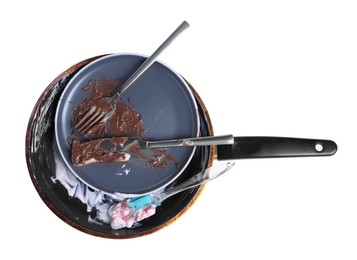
x=125 y=121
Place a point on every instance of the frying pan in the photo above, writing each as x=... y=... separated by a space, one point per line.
x=169 y=111
x=41 y=153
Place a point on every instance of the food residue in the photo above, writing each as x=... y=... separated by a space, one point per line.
x=83 y=153
x=124 y=121
x=123 y=215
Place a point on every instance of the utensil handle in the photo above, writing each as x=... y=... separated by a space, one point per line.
x=197 y=141
x=275 y=147
x=200 y=178
x=147 y=63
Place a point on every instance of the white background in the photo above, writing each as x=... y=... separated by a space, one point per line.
x=275 y=68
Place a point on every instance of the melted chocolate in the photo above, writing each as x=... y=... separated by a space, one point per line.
x=125 y=121
x=160 y=159
x=91 y=151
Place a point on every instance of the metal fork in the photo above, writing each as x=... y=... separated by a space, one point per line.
x=96 y=115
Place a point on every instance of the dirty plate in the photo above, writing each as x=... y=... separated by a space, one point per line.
x=169 y=111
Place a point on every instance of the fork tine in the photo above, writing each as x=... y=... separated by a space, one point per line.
x=108 y=115
x=90 y=121
x=95 y=119
x=92 y=117
x=86 y=116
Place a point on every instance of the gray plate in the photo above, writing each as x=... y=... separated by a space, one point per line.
x=169 y=111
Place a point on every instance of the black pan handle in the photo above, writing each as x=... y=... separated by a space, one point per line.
x=274 y=147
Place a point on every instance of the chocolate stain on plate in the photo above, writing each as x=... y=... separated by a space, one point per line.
x=125 y=121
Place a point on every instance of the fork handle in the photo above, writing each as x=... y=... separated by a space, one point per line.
x=197 y=141
x=147 y=63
